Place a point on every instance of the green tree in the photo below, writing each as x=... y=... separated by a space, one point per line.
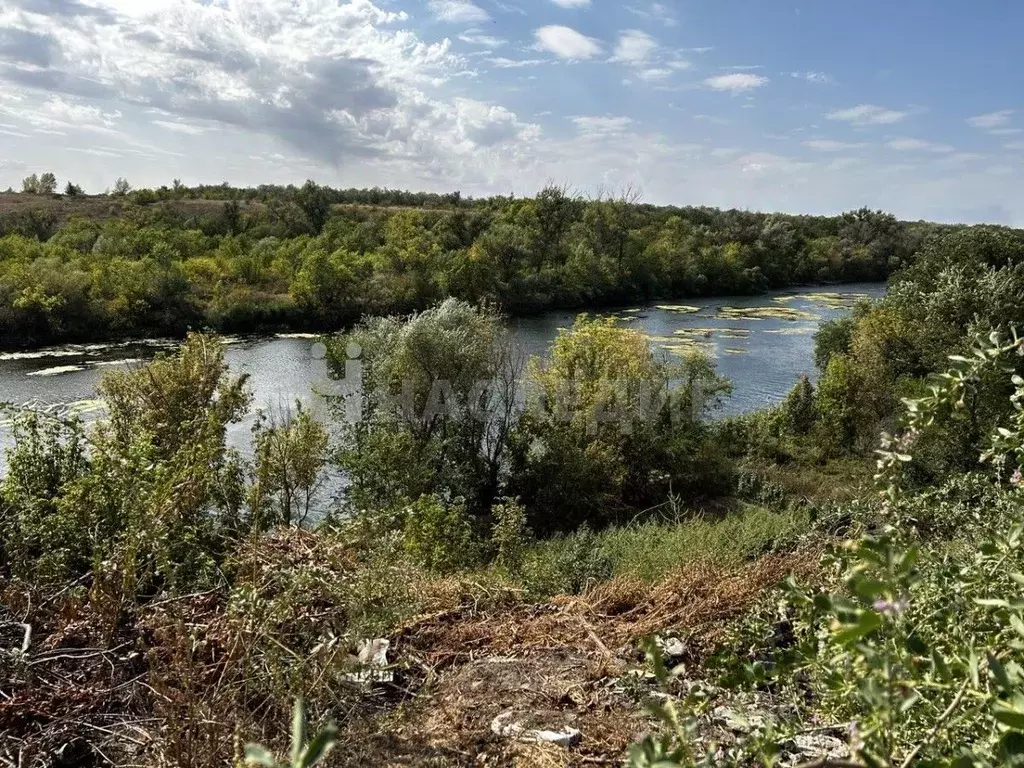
x=612 y=428
x=47 y=184
x=833 y=337
x=315 y=202
x=844 y=418
x=290 y=454
x=439 y=402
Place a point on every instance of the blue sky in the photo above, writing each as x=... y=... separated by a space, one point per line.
x=812 y=107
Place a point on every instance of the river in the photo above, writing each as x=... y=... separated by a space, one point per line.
x=762 y=343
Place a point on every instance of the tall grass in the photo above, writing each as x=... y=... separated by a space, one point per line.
x=650 y=550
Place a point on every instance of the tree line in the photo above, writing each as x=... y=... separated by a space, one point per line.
x=167 y=261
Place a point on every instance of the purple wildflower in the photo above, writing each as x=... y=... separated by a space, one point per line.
x=891 y=607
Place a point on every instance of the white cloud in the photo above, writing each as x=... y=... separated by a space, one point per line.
x=338 y=84
x=819 y=78
x=962 y=157
x=477 y=37
x=765 y=162
x=844 y=164
x=352 y=93
x=607 y=125
x=656 y=12
x=191 y=130
x=867 y=114
x=458 y=11
x=634 y=47
x=1015 y=146
x=503 y=63
x=713 y=119
x=828 y=145
x=566 y=42
x=991 y=119
x=655 y=74
x=736 y=82
x=918 y=145
x=679 y=64
x=571 y=3
x=1006 y=131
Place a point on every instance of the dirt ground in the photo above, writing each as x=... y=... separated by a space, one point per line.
x=552 y=666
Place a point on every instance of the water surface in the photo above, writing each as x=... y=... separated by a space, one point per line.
x=763 y=356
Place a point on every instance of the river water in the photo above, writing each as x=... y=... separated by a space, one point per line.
x=761 y=351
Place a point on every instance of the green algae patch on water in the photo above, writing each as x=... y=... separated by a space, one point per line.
x=790 y=331
x=688 y=348
x=826 y=299
x=681 y=308
x=764 y=313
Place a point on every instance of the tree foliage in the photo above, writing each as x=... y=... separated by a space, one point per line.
x=163 y=261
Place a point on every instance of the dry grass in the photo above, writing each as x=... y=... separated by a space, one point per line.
x=183 y=682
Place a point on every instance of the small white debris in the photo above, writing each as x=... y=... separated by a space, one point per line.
x=373 y=657
x=570 y=737
x=503 y=725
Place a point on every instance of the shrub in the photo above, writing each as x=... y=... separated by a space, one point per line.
x=440 y=536
x=510 y=535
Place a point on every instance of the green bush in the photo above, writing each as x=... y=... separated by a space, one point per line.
x=917 y=649
x=440 y=536
x=510 y=535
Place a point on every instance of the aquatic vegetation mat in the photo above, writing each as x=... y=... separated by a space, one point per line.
x=825 y=299
x=765 y=313
x=790 y=331
x=681 y=308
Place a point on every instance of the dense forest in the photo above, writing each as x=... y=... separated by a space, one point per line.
x=608 y=574
x=162 y=262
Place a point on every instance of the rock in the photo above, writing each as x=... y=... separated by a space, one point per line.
x=818 y=745
x=672 y=648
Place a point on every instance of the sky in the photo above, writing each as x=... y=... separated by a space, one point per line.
x=915 y=107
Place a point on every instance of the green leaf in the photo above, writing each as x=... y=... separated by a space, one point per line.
x=319 y=746
x=867 y=623
x=915 y=644
x=1011 y=745
x=869 y=588
x=298 y=730
x=257 y=755
x=992 y=602
x=939 y=666
x=1007 y=714
x=999 y=673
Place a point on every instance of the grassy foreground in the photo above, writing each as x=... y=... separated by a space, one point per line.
x=187 y=680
